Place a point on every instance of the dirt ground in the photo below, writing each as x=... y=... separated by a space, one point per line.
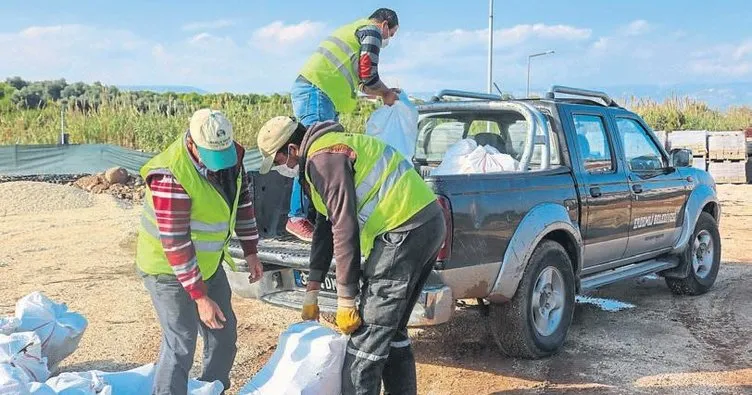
x=665 y=344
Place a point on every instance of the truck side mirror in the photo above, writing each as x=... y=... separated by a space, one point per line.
x=681 y=157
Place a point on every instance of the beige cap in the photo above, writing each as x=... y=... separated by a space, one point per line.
x=271 y=137
x=211 y=131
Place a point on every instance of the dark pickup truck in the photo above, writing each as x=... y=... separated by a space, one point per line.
x=595 y=199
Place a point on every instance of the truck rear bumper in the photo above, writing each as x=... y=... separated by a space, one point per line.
x=435 y=304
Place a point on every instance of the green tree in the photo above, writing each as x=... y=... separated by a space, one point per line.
x=17 y=83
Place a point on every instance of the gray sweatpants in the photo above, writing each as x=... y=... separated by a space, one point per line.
x=180 y=323
x=393 y=278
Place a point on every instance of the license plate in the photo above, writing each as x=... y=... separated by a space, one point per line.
x=328 y=285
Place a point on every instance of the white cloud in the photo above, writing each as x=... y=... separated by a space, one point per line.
x=278 y=37
x=420 y=61
x=208 y=25
x=743 y=50
x=637 y=28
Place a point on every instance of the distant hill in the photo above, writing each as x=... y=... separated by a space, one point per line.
x=163 y=88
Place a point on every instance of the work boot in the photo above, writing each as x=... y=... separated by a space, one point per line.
x=300 y=228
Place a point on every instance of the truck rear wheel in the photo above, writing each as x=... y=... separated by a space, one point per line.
x=703 y=256
x=534 y=324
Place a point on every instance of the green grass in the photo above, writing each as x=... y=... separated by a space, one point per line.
x=123 y=123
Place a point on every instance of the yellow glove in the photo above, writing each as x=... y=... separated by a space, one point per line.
x=311 y=306
x=348 y=319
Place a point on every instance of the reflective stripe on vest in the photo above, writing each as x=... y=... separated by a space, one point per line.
x=211 y=218
x=195 y=224
x=347 y=69
x=391 y=180
x=333 y=67
x=388 y=190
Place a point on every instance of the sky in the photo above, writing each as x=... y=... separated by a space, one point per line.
x=259 y=46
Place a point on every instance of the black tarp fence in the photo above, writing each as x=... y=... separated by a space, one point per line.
x=26 y=160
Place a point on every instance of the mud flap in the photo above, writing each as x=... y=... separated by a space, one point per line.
x=681 y=271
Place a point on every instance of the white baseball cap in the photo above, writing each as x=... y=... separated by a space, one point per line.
x=275 y=133
x=212 y=134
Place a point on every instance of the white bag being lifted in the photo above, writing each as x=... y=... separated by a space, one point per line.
x=308 y=361
x=396 y=125
x=59 y=330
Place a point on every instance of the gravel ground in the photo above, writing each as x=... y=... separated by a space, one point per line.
x=664 y=344
x=28 y=197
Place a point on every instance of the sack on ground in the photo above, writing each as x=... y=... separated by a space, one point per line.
x=87 y=383
x=141 y=379
x=308 y=361
x=8 y=325
x=396 y=125
x=22 y=351
x=59 y=329
x=12 y=380
x=135 y=381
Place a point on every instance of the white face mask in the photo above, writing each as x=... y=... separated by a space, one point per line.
x=286 y=171
x=384 y=42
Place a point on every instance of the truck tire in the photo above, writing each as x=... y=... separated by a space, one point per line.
x=534 y=324
x=703 y=256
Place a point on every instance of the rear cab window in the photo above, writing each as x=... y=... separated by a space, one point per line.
x=504 y=130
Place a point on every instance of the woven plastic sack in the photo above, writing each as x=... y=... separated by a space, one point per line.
x=308 y=361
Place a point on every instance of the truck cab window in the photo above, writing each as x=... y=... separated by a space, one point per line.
x=592 y=144
x=640 y=151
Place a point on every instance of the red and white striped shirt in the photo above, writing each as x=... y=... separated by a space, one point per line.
x=172 y=207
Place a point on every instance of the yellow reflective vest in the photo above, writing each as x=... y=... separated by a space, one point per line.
x=388 y=189
x=333 y=68
x=212 y=219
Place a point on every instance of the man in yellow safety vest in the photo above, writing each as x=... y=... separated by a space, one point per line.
x=369 y=200
x=197 y=195
x=344 y=64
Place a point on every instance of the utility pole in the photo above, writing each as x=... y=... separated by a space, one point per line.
x=529 y=57
x=490 y=46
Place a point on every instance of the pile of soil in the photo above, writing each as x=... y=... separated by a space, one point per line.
x=116 y=182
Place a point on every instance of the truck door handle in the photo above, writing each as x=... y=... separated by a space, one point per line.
x=595 y=192
x=637 y=188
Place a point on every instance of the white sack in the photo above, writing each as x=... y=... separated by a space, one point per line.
x=135 y=381
x=308 y=361
x=466 y=157
x=87 y=383
x=396 y=125
x=12 y=380
x=8 y=325
x=22 y=351
x=59 y=329
x=141 y=379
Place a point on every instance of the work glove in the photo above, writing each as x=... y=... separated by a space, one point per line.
x=348 y=319
x=311 y=306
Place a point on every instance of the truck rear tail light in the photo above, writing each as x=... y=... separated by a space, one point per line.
x=446 y=249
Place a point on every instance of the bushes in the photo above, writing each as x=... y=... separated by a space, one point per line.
x=96 y=113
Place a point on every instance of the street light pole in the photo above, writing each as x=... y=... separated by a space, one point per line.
x=490 y=45
x=529 y=57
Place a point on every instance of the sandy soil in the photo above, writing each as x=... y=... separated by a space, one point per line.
x=665 y=344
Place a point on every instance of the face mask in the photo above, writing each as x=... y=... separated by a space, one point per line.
x=286 y=171
x=384 y=43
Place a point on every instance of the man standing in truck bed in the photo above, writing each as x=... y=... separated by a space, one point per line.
x=369 y=199
x=345 y=62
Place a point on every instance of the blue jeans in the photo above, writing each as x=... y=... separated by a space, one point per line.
x=310 y=105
